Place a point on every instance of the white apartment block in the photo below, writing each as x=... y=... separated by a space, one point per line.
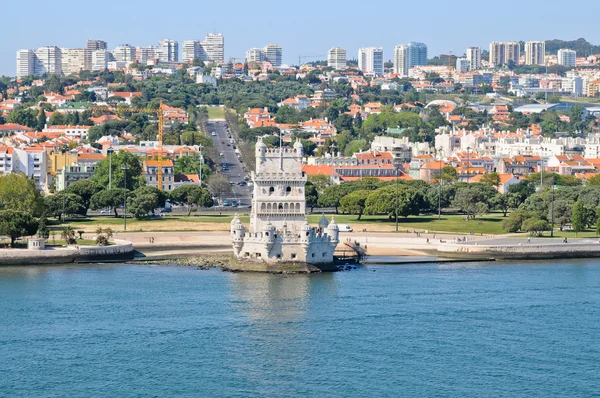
x=168 y=50
x=503 y=52
x=100 y=59
x=31 y=162
x=370 y=60
x=255 y=55
x=535 y=53
x=124 y=53
x=145 y=54
x=463 y=65
x=73 y=60
x=567 y=57
x=214 y=45
x=273 y=54
x=474 y=57
x=336 y=58
x=91 y=46
x=25 y=63
x=401 y=64
x=48 y=60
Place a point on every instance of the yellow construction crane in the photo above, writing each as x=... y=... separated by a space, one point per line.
x=160 y=115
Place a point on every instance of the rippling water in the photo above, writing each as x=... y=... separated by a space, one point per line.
x=475 y=330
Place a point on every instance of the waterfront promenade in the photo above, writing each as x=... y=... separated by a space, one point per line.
x=163 y=244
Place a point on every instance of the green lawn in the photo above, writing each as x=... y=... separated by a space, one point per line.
x=216 y=113
x=489 y=224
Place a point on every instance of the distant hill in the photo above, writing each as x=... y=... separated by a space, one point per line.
x=582 y=46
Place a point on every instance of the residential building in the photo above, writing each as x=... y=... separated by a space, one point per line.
x=474 y=57
x=192 y=49
x=535 y=53
x=47 y=60
x=91 y=46
x=143 y=55
x=25 y=63
x=407 y=56
x=73 y=60
x=503 y=52
x=567 y=57
x=336 y=58
x=273 y=54
x=462 y=65
x=214 y=45
x=255 y=55
x=299 y=102
x=370 y=60
x=124 y=53
x=150 y=173
x=100 y=59
x=168 y=50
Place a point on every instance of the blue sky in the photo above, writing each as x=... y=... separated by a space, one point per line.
x=306 y=27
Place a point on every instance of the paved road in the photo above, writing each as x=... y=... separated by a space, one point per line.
x=236 y=173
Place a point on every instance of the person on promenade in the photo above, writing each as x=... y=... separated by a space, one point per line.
x=565 y=240
x=529 y=239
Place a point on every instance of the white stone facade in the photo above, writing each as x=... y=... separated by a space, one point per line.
x=279 y=231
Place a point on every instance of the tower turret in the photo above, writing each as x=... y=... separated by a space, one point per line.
x=305 y=234
x=299 y=148
x=269 y=235
x=238 y=233
x=323 y=223
x=334 y=232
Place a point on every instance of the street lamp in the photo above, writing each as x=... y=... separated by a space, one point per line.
x=468 y=161
x=440 y=186
x=397 y=170
x=552 y=210
x=110 y=152
x=125 y=168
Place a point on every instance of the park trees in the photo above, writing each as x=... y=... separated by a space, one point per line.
x=18 y=192
x=474 y=199
x=191 y=195
x=15 y=224
x=119 y=160
x=383 y=201
x=311 y=195
x=64 y=204
x=354 y=202
x=85 y=189
x=218 y=185
x=145 y=200
x=578 y=217
x=332 y=195
x=108 y=199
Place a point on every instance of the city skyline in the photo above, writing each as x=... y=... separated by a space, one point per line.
x=241 y=33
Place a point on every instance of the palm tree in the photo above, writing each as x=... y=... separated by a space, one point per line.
x=68 y=235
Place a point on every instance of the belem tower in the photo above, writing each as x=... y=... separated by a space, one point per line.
x=279 y=231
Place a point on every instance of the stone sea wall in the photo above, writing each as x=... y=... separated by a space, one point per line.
x=121 y=250
x=523 y=252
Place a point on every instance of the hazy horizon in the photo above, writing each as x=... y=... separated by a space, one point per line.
x=310 y=31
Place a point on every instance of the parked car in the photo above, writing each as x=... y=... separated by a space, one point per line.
x=213 y=134
x=345 y=228
x=166 y=210
x=226 y=203
x=106 y=211
x=221 y=154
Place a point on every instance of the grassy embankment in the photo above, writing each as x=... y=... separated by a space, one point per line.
x=216 y=113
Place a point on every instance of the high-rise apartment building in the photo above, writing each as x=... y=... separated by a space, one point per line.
x=145 y=54
x=567 y=57
x=370 y=60
x=25 y=63
x=214 y=45
x=474 y=57
x=100 y=59
x=336 y=58
x=91 y=46
x=73 y=60
x=535 y=53
x=124 y=53
x=48 y=60
x=503 y=52
x=462 y=65
x=408 y=56
x=273 y=54
x=255 y=55
x=190 y=50
x=168 y=50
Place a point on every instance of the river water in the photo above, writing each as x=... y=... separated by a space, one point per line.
x=447 y=330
